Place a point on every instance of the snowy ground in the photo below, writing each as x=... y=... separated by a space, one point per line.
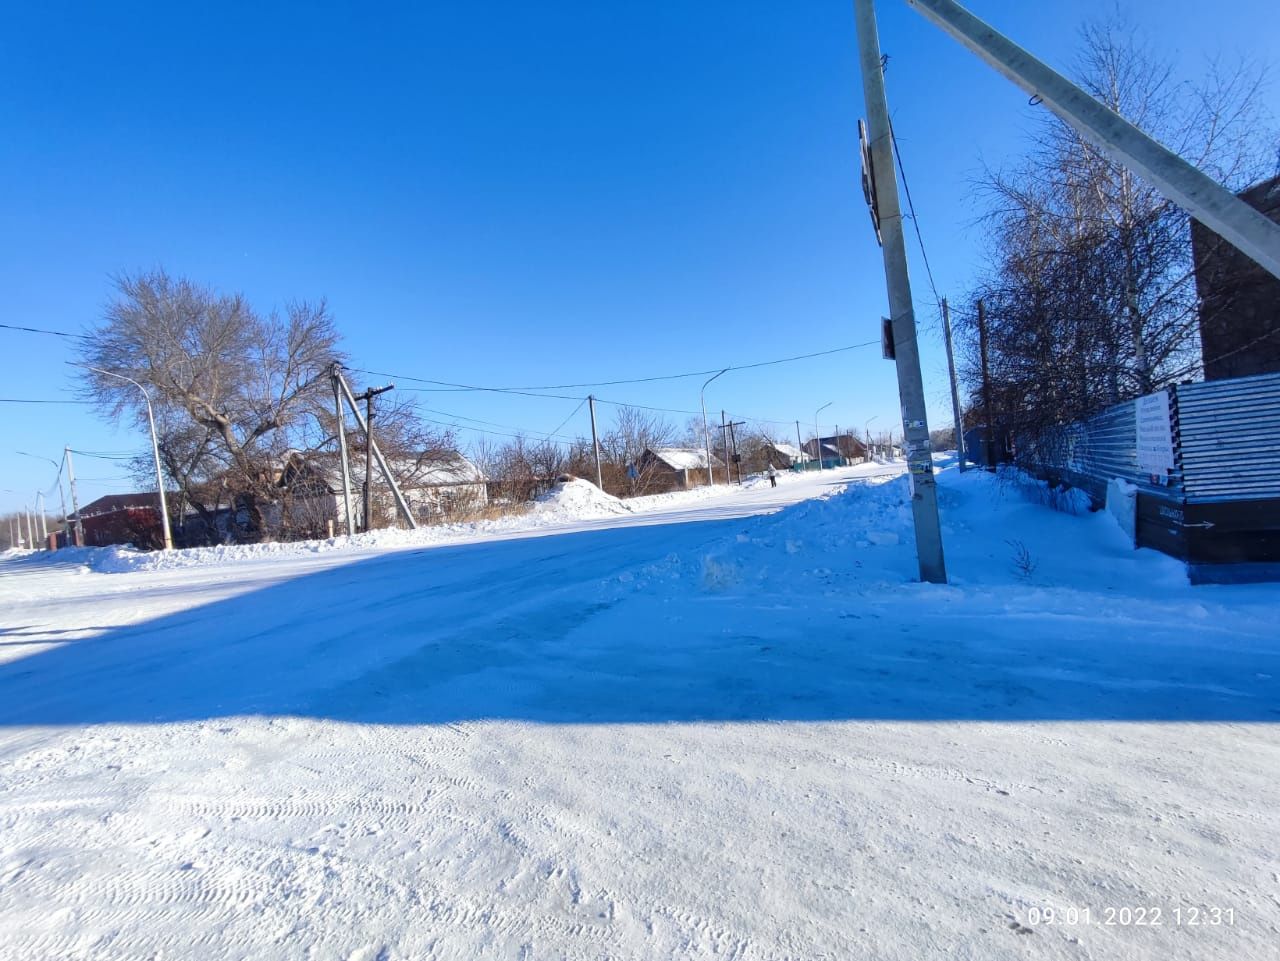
x=721 y=725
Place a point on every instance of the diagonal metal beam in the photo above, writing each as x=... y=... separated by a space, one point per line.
x=1190 y=188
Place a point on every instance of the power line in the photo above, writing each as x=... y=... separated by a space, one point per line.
x=611 y=383
x=497 y=433
x=677 y=410
x=457 y=388
x=40 y=330
x=24 y=400
x=703 y=373
x=477 y=420
x=915 y=221
x=99 y=456
x=566 y=420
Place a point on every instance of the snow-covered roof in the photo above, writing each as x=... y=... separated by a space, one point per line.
x=443 y=469
x=684 y=458
x=791 y=452
x=440 y=471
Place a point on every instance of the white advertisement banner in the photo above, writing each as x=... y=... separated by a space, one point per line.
x=1155 y=434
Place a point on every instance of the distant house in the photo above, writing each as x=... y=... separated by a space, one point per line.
x=837 y=450
x=442 y=484
x=436 y=485
x=123 y=519
x=676 y=468
x=786 y=455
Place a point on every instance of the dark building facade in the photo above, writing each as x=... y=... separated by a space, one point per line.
x=1239 y=301
x=123 y=519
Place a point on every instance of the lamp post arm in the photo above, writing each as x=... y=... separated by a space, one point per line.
x=706 y=437
x=155 y=451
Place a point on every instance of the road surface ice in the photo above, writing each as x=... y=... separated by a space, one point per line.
x=716 y=725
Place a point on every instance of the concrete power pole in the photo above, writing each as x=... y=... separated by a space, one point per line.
x=402 y=505
x=342 y=449
x=77 y=526
x=799 y=445
x=915 y=424
x=595 y=440
x=955 y=387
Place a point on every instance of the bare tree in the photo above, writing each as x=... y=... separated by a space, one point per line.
x=621 y=448
x=1089 y=291
x=235 y=392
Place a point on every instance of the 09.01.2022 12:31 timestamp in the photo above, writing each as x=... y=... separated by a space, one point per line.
x=1140 y=916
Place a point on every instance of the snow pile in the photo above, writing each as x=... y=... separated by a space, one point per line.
x=576 y=498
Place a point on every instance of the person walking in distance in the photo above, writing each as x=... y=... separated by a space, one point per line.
x=773 y=477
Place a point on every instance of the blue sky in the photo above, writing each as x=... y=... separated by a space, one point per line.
x=511 y=194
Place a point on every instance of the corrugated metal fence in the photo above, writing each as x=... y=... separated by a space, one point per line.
x=1228 y=439
x=1219 y=504
x=1226 y=445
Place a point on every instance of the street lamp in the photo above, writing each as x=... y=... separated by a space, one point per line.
x=866 y=432
x=706 y=437
x=817 y=436
x=44 y=530
x=61 y=495
x=155 y=450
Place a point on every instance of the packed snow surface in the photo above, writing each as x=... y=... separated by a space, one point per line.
x=721 y=724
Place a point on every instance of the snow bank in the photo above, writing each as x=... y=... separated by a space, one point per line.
x=576 y=498
x=571 y=501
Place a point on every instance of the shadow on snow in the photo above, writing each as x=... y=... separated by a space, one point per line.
x=545 y=629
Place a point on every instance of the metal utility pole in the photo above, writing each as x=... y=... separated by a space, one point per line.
x=924 y=496
x=1210 y=203
x=737 y=461
x=955 y=387
x=155 y=451
x=368 y=397
x=706 y=436
x=401 y=504
x=595 y=439
x=730 y=447
x=77 y=528
x=342 y=447
x=724 y=442
x=988 y=432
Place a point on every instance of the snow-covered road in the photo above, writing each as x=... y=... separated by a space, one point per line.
x=689 y=731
